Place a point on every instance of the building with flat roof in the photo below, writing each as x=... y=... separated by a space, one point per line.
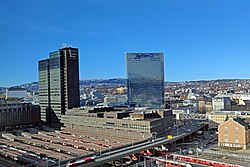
x=218 y=117
x=115 y=100
x=16 y=92
x=205 y=106
x=13 y=114
x=221 y=104
x=58 y=84
x=145 y=79
x=136 y=124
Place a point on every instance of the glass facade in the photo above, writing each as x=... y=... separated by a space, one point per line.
x=145 y=79
x=44 y=84
x=56 y=87
x=58 y=84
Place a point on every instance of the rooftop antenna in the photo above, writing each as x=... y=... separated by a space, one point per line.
x=64 y=45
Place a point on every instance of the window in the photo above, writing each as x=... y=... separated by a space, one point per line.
x=236 y=136
x=236 y=128
x=110 y=123
x=225 y=127
x=226 y=140
x=236 y=141
x=236 y=132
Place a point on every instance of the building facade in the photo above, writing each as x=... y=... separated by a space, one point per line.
x=217 y=118
x=205 y=106
x=14 y=114
x=145 y=79
x=221 y=104
x=234 y=133
x=133 y=124
x=58 y=84
x=16 y=93
x=115 y=100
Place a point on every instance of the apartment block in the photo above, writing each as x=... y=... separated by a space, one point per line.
x=234 y=133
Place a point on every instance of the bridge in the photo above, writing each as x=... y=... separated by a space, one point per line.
x=119 y=153
x=185 y=116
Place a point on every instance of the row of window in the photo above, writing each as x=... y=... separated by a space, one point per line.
x=236 y=128
x=236 y=141
x=226 y=132
x=133 y=126
x=236 y=136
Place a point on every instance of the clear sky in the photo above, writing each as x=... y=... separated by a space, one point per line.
x=201 y=39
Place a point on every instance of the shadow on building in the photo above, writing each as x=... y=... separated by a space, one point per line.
x=52 y=119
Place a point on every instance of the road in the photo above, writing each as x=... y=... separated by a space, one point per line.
x=119 y=153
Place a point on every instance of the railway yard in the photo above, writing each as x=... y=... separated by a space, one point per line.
x=44 y=147
x=41 y=147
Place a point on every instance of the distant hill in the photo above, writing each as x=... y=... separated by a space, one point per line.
x=2 y=90
x=33 y=86
x=113 y=81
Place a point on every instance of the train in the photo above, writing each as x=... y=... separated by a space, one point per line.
x=81 y=161
x=19 y=155
x=169 y=163
x=203 y=161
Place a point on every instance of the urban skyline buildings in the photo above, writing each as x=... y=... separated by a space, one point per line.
x=58 y=84
x=145 y=79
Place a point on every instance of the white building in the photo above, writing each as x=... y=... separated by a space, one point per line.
x=221 y=104
x=191 y=94
x=116 y=100
x=16 y=93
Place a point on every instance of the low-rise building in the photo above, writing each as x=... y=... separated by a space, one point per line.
x=16 y=92
x=133 y=124
x=14 y=114
x=221 y=104
x=217 y=118
x=234 y=133
x=115 y=100
x=241 y=105
x=208 y=106
x=205 y=106
x=121 y=90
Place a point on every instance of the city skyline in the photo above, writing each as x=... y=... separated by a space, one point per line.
x=201 y=40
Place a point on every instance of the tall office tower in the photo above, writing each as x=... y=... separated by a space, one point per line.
x=58 y=84
x=145 y=79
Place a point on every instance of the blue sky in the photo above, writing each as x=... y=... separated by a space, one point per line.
x=201 y=39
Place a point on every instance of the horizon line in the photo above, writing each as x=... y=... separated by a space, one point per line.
x=125 y=78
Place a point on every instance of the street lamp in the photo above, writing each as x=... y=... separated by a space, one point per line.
x=154 y=135
x=109 y=151
x=177 y=132
x=166 y=155
x=197 y=154
x=145 y=162
x=59 y=165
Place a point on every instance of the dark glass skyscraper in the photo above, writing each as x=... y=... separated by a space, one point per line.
x=145 y=79
x=58 y=84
